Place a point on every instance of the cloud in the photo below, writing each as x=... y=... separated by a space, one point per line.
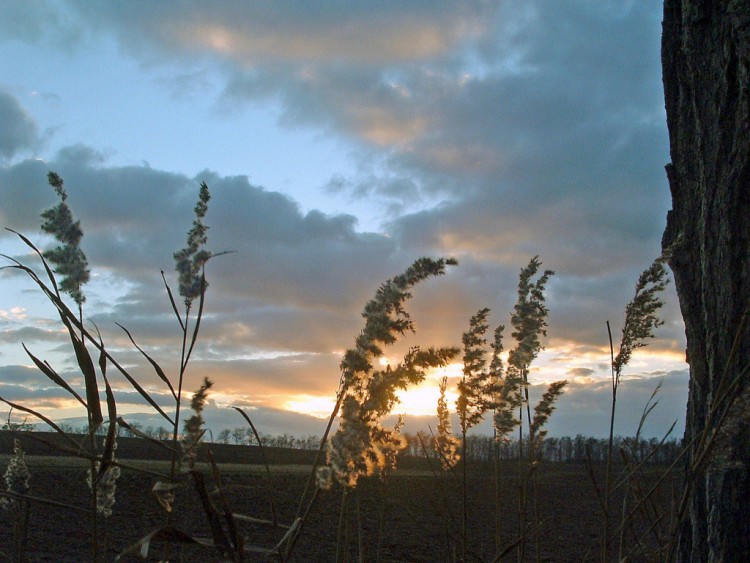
x=294 y=284
x=585 y=406
x=489 y=131
x=253 y=34
x=37 y=22
x=268 y=421
x=581 y=372
x=18 y=131
x=30 y=334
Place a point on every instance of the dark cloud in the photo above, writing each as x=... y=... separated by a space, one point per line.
x=30 y=334
x=18 y=131
x=17 y=375
x=581 y=372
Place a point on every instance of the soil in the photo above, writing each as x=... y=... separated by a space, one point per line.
x=412 y=516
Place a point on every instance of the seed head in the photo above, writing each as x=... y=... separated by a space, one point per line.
x=68 y=258
x=190 y=261
x=106 y=485
x=446 y=443
x=16 y=476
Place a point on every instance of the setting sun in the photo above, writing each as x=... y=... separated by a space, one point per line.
x=422 y=400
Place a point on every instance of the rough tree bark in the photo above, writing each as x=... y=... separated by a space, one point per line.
x=705 y=61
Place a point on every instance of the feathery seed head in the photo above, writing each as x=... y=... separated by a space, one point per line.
x=106 y=485
x=529 y=316
x=324 y=478
x=479 y=387
x=446 y=443
x=68 y=258
x=193 y=426
x=544 y=408
x=16 y=476
x=362 y=446
x=191 y=260
x=641 y=314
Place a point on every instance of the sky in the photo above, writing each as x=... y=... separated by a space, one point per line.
x=340 y=141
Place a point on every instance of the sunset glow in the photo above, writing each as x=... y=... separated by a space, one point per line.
x=422 y=400
x=319 y=407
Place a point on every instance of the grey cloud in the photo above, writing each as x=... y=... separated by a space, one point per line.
x=578 y=413
x=584 y=408
x=38 y=22
x=294 y=31
x=268 y=421
x=18 y=131
x=295 y=281
x=545 y=120
x=581 y=372
x=30 y=334
x=18 y=375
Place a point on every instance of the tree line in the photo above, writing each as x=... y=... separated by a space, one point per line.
x=479 y=447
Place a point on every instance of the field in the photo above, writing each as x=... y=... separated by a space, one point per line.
x=406 y=518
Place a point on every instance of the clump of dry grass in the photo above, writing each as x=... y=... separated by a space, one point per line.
x=362 y=446
x=476 y=395
x=69 y=261
x=491 y=387
x=641 y=319
x=193 y=429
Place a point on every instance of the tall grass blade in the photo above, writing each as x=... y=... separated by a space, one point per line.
x=198 y=317
x=109 y=441
x=265 y=460
x=157 y=368
x=121 y=422
x=28 y=243
x=82 y=356
x=234 y=536
x=217 y=531
x=141 y=391
x=172 y=302
x=40 y=500
x=89 y=375
x=47 y=370
x=77 y=451
x=167 y=534
x=70 y=320
x=40 y=416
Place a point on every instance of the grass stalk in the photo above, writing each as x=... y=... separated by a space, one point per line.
x=615 y=381
x=341 y=532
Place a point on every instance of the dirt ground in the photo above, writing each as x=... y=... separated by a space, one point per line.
x=411 y=517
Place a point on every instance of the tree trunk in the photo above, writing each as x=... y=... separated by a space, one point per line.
x=705 y=61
